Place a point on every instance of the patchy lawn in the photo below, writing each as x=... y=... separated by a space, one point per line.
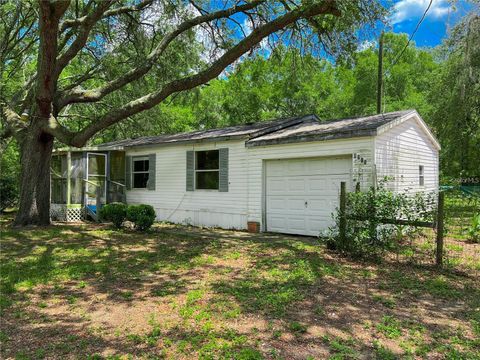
x=85 y=291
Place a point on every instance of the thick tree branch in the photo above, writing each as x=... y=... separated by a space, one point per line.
x=11 y=124
x=82 y=36
x=79 y=95
x=69 y=23
x=215 y=69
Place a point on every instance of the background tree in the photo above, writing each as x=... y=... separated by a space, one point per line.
x=289 y=83
x=455 y=98
x=67 y=55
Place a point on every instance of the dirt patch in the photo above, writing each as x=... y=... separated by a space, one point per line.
x=79 y=291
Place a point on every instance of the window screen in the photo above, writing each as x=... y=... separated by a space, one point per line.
x=140 y=172
x=421 y=176
x=207 y=169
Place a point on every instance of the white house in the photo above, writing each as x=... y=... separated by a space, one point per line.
x=284 y=175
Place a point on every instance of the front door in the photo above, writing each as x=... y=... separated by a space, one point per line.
x=96 y=189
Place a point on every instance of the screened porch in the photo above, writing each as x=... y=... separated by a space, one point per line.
x=83 y=181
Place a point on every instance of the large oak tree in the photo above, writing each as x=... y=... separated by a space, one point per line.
x=60 y=57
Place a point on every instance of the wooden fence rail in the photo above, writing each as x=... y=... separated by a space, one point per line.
x=437 y=225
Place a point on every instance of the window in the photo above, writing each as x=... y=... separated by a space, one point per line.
x=421 y=176
x=207 y=169
x=140 y=167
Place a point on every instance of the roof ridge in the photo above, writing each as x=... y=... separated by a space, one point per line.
x=367 y=116
x=292 y=121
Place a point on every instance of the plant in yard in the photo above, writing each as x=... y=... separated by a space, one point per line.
x=366 y=235
x=114 y=212
x=474 y=229
x=142 y=216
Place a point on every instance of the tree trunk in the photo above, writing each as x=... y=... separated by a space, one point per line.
x=36 y=152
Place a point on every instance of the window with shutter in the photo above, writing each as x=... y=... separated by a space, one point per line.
x=223 y=165
x=207 y=170
x=190 y=170
x=152 y=160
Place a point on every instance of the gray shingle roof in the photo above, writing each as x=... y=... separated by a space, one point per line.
x=280 y=131
x=247 y=131
x=333 y=129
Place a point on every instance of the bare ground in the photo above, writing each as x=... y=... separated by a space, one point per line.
x=85 y=291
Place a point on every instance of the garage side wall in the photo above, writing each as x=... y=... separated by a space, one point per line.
x=212 y=208
x=257 y=157
x=399 y=153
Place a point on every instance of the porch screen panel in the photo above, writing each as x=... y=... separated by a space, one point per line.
x=117 y=166
x=76 y=179
x=59 y=179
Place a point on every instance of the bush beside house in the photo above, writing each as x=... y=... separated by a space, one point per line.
x=142 y=215
x=114 y=212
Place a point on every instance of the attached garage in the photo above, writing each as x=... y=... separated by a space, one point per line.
x=301 y=194
x=280 y=176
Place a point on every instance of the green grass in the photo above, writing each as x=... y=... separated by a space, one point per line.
x=215 y=295
x=459 y=211
x=390 y=327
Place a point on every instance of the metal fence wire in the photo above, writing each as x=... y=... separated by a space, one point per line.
x=462 y=240
x=461 y=243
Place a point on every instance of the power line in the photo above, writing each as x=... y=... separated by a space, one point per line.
x=413 y=34
x=383 y=96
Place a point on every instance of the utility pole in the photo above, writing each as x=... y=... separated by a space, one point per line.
x=380 y=74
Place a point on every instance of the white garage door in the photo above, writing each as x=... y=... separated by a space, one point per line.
x=301 y=194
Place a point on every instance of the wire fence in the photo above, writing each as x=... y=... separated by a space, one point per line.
x=461 y=241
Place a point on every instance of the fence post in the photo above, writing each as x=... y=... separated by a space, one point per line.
x=343 y=218
x=440 y=217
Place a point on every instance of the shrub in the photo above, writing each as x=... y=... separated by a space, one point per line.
x=114 y=212
x=142 y=216
x=366 y=235
x=9 y=176
x=8 y=191
x=474 y=229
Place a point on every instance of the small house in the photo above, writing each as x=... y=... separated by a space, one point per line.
x=280 y=176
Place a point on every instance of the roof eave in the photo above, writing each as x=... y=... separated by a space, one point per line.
x=421 y=122
x=189 y=141
x=88 y=148
x=305 y=137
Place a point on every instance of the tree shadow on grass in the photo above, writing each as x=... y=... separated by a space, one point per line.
x=317 y=303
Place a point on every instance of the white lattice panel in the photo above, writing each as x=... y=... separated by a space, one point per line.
x=60 y=212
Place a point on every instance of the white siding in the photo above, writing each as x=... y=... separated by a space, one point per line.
x=244 y=200
x=397 y=152
x=200 y=207
x=400 y=151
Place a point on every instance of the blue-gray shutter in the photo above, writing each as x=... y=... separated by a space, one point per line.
x=223 y=175
x=190 y=170
x=152 y=163
x=128 y=172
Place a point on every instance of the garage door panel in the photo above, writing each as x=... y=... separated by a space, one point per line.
x=276 y=223
x=302 y=194
x=315 y=225
x=296 y=224
x=316 y=183
x=296 y=167
x=276 y=203
x=296 y=185
x=319 y=205
x=276 y=185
